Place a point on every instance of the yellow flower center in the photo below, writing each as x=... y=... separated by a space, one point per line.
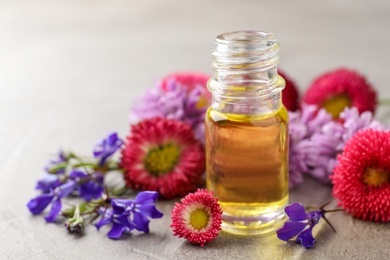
x=375 y=177
x=199 y=219
x=336 y=104
x=162 y=159
x=202 y=102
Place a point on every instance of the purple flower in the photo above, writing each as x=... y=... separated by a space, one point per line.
x=107 y=147
x=39 y=203
x=89 y=186
x=324 y=145
x=126 y=215
x=61 y=158
x=300 y=224
x=48 y=183
x=302 y=125
x=176 y=102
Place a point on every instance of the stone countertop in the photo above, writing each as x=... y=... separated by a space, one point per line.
x=69 y=71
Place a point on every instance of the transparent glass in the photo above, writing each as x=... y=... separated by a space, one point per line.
x=247 y=133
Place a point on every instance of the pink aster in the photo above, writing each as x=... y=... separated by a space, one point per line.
x=163 y=155
x=197 y=218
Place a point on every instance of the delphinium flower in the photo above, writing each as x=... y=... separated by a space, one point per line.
x=341 y=88
x=69 y=174
x=163 y=155
x=290 y=93
x=126 y=215
x=197 y=218
x=361 y=180
x=325 y=144
x=300 y=224
x=302 y=125
x=107 y=147
x=181 y=96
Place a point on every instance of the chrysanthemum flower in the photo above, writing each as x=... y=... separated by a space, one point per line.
x=163 y=155
x=302 y=125
x=197 y=218
x=290 y=93
x=362 y=178
x=179 y=96
x=341 y=88
x=325 y=144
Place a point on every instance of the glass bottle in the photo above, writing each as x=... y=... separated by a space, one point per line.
x=247 y=133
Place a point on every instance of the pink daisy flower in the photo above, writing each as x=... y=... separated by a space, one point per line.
x=197 y=218
x=163 y=155
x=341 y=88
x=362 y=178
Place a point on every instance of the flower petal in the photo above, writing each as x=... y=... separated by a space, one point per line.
x=116 y=231
x=296 y=212
x=66 y=188
x=141 y=222
x=38 y=204
x=306 y=239
x=149 y=210
x=290 y=230
x=55 y=209
x=146 y=197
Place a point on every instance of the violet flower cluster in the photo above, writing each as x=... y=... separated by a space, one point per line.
x=177 y=102
x=126 y=215
x=68 y=174
x=316 y=140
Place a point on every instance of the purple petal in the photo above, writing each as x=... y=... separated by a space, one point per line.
x=103 y=222
x=77 y=174
x=290 y=230
x=146 y=197
x=66 y=188
x=296 y=212
x=90 y=190
x=48 y=182
x=38 y=204
x=116 y=231
x=306 y=239
x=149 y=210
x=55 y=209
x=141 y=222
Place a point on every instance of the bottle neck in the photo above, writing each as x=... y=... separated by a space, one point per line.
x=246 y=79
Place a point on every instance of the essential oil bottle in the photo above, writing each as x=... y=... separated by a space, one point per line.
x=247 y=133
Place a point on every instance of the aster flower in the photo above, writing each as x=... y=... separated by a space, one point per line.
x=325 y=144
x=179 y=96
x=107 y=147
x=362 y=178
x=341 y=88
x=300 y=224
x=197 y=218
x=38 y=204
x=162 y=155
x=302 y=125
x=126 y=215
x=290 y=93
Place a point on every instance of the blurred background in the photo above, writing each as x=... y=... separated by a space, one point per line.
x=70 y=70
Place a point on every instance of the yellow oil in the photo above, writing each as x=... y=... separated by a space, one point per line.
x=247 y=168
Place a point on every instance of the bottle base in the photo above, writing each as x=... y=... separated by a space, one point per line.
x=265 y=224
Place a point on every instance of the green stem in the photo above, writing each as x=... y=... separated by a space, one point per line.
x=384 y=102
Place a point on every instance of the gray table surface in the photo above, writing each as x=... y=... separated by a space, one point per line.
x=70 y=70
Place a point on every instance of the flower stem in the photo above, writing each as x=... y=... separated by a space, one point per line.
x=384 y=102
